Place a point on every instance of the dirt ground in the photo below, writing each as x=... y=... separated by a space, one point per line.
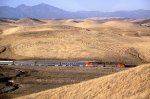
x=42 y=78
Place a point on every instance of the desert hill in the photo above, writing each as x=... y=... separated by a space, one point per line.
x=6 y=21
x=29 y=21
x=130 y=84
x=143 y=22
x=121 y=24
x=82 y=24
x=116 y=41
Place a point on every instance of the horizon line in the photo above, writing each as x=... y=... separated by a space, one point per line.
x=71 y=11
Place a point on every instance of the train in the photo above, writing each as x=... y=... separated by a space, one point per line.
x=63 y=63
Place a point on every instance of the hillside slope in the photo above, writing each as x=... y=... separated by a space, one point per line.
x=29 y=21
x=112 y=41
x=130 y=84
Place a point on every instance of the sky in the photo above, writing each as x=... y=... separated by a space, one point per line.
x=85 y=5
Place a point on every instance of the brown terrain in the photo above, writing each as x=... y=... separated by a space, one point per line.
x=109 y=40
x=40 y=78
x=125 y=40
x=130 y=84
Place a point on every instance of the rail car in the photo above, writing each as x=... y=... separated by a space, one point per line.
x=94 y=64
x=47 y=63
x=3 y=62
x=72 y=63
x=32 y=63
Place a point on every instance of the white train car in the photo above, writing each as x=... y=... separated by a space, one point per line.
x=3 y=62
x=47 y=63
x=25 y=63
x=73 y=64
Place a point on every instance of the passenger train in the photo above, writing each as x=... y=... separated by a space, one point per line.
x=62 y=63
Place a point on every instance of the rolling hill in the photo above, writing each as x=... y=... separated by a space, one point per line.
x=84 y=40
x=129 y=84
x=29 y=21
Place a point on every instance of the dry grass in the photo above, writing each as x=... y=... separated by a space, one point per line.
x=46 y=77
x=129 y=84
x=78 y=39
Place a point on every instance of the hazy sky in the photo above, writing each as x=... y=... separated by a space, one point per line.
x=88 y=5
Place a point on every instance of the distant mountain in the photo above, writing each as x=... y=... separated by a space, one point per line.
x=131 y=14
x=45 y=11
x=42 y=11
x=89 y=14
x=122 y=14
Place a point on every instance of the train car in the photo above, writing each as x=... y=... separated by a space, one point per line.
x=25 y=62
x=98 y=64
x=130 y=65
x=3 y=62
x=94 y=64
x=72 y=63
x=113 y=64
x=121 y=65
x=89 y=64
x=47 y=63
x=110 y=64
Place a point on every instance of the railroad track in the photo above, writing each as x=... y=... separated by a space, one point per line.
x=63 y=63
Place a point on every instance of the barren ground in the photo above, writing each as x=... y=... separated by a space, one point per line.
x=130 y=84
x=44 y=78
x=108 y=40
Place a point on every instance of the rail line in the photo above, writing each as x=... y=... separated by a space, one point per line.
x=64 y=63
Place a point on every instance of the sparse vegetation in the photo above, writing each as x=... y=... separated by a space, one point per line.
x=132 y=83
x=83 y=40
x=1 y=31
x=43 y=78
